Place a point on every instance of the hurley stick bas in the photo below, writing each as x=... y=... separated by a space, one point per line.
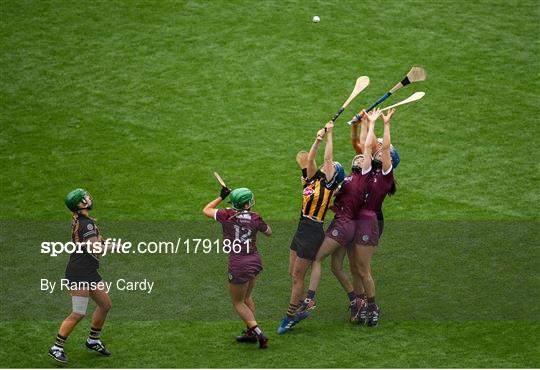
x=220 y=180
x=361 y=83
x=416 y=74
x=411 y=99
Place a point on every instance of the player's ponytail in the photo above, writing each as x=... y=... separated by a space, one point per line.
x=393 y=188
x=75 y=227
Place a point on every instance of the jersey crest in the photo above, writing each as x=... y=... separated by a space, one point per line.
x=308 y=191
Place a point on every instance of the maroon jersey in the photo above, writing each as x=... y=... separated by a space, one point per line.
x=379 y=185
x=242 y=227
x=351 y=195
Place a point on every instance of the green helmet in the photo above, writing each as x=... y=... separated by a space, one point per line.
x=242 y=196
x=75 y=197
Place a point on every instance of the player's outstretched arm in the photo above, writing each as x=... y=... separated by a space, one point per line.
x=385 y=155
x=311 y=163
x=358 y=140
x=328 y=166
x=355 y=138
x=363 y=131
x=370 y=140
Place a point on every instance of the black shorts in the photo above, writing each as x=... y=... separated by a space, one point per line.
x=82 y=276
x=308 y=238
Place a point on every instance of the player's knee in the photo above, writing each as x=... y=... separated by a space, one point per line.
x=239 y=304
x=364 y=272
x=336 y=268
x=75 y=317
x=356 y=274
x=106 y=306
x=79 y=307
x=298 y=276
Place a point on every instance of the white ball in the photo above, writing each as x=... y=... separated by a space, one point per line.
x=316 y=19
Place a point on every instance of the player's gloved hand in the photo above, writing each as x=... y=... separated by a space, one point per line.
x=224 y=192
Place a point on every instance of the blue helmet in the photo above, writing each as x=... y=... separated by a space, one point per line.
x=339 y=175
x=395 y=156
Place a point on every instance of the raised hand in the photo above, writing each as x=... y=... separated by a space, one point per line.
x=386 y=118
x=364 y=117
x=373 y=115
x=224 y=192
x=329 y=126
x=320 y=134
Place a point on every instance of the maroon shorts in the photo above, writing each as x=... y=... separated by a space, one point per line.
x=367 y=228
x=342 y=229
x=244 y=267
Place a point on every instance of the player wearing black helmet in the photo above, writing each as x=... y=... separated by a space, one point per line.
x=319 y=187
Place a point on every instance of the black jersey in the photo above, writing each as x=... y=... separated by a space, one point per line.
x=83 y=263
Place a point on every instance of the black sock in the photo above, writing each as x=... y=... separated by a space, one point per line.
x=60 y=340
x=371 y=302
x=291 y=311
x=351 y=295
x=304 y=173
x=94 y=333
x=310 y=294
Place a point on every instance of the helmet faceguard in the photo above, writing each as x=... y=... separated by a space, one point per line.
x=394 y=155
x=356 y=165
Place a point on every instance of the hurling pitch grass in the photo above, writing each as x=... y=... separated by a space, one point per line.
x=318 y=344
x=140 y=101
x=440 y=286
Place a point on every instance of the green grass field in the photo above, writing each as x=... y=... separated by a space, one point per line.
x=140 y=101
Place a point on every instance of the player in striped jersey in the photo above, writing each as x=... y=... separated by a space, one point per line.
x=349 y=200
x=319 y=187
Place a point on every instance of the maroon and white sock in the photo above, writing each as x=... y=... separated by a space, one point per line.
x=255 y=330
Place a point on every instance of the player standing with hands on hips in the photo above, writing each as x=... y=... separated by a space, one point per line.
x=240 y=225
x=82 y=269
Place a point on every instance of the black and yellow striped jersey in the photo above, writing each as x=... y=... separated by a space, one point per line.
x=317 y=196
